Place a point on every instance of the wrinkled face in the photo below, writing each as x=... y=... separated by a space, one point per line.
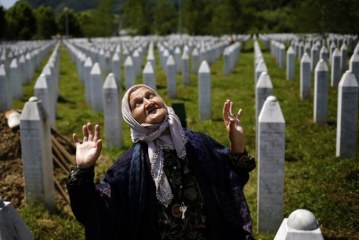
x=146 y=106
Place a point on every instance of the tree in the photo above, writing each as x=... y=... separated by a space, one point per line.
x=165 y=18
x=68 y=23
x=21 y=21
x=137 y=15
x=46 y=23
x=104 y=18
x=197 y=16
x=2 y=23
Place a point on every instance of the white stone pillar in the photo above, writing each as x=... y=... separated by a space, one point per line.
x=35 y=136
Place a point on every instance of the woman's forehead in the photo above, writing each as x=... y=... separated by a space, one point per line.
x=139 y=92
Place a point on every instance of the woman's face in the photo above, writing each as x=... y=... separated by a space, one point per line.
x=146 y=106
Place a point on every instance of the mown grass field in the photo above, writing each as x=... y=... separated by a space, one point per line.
x=314 y=178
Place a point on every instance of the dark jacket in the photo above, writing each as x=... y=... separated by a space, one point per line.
x=123 y=205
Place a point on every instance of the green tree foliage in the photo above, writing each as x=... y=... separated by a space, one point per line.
x=138 y=16
x=165 y=18
x=196 y=16
x=2 y=23
x=46 y=23
x=21 y=21
x=104 y=18
x=339 y=16
x=68 y=23
x=226 y=17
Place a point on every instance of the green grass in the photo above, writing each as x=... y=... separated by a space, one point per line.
x=314 y=178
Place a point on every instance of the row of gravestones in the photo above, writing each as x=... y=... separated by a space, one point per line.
x=270 y=135
x=35 y=140
x=347 y=83
x=92 y=74
x=266 y=130
x=17 y=67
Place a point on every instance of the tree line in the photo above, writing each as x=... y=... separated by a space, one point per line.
x=194 y=17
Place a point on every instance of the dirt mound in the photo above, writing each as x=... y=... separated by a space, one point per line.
x=11 y=167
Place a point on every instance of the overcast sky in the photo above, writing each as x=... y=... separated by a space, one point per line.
x=7 y=3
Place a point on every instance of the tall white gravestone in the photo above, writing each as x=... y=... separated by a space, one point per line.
x=129 y=73
x=335 y=68
x=171 y=77
x=5 y=90
x=347 y=117
x=290 y=63
x=321 y=85
x=96 y=88
x=204 y=91
x=305 y=79
x=149 y=77
x=112 y=112
x=271 y=152
x=35 y=136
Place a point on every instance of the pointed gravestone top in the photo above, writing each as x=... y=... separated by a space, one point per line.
x=170 y=60
x=177 y=50
x=115 y=57
x=336 y=52
x=96 y=69
x=110 y=81
x=13 y=63
x=323 y=49
x=148 y=68
x=33 y=110
x=321 y=66
x=204 y=68
x=354 y=57
x=264 y=81
x=41 y=82
x=136 y=53
x=348 y=80
x=195 y=52
x=88 y=62
x=2 y=70
x=344 y=47
x=305 y=58
x=185 y=55
x=271 y=111
x=290 y=50
x=128 y=61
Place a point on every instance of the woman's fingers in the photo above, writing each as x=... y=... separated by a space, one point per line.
x=97 y=133
x=90 y=132
x=75 y=138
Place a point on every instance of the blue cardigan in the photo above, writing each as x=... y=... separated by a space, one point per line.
x=123 y=205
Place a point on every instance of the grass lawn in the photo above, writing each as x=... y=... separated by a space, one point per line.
x=314 y=178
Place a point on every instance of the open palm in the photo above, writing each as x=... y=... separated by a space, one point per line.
x=89 y=150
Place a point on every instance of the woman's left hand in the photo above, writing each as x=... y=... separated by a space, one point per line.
x=234 y=127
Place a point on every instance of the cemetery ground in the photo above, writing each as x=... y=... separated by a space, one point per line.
x=314 y=178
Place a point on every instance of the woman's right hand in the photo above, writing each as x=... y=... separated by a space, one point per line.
x=89 y=150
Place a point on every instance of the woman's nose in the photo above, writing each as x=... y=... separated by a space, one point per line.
x=146 y=101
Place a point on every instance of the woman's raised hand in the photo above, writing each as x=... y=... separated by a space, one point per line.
x=89 y=150
x=234 y=127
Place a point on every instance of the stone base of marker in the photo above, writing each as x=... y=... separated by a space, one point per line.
x=300 y=225
x=11 y=225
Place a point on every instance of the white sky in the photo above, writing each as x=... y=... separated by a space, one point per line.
x=7 y=3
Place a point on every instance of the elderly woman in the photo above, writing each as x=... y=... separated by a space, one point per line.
x=171 y=184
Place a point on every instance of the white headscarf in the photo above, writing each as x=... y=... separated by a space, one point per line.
x=158 y=138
